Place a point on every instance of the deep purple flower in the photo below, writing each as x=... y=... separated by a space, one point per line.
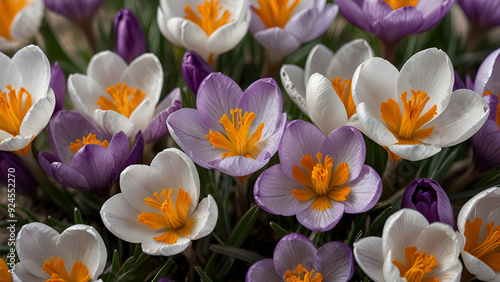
x=194 y=70
x=130 y=42
x=91 y=164
x=77 y=10
x=484 y=13
x=232 y=131
x=319 y=177
x=11 y=164
x=296 y=256
x=459 y=83
x=393 y=22
x=427 y=197
x=58 y=84
x=486 y=142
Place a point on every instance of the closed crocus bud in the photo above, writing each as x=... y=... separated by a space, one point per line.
x=427 y=197
x=130 y=42
x=194 y=70
x=58 y=84
x=13 y=168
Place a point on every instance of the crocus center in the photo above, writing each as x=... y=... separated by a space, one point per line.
x=300 y=274
x=124 y=99
x=4 y=272
x=90 y=139
x=343 y=89
x=13 y=108
x=275 y=13
x=8 y=10
x=406 y=127
x=173 y=218
x=417 y=266
x=323 y=182
x=212 y=16
x=488 y=249
x=237 y=141
x=396 y=4
x=57 y=270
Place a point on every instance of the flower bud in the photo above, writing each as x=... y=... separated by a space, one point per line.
x=194 y=70
x=58 y=84
x=130 y=42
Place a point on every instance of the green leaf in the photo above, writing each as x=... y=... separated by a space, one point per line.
x=237 y=253
x=30 y=215
x=278 y=229
x=163 y=271
x=244 y=226
x=203 y=275
x=78 y=216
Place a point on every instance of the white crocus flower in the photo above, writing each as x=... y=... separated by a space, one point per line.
x=322 y=90
x=414 y=112
x=26 y=100
x=77 y=254
x=19 y=22
x=159 y=207
x=208 y=27
x=479 y=222
x=118 y=97
x=411 y=250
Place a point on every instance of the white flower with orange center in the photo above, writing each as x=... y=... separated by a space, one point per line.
x=19 y=22
x=208 y=27
x=479 y=223
x=77 y=254
x=413 y=113
x=411 y=250
x=159 y=207
x=26 y=100
x=116 y=97
x=322 y=90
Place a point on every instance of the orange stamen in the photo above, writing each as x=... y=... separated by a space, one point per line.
x=417 y=266
x=125 y=99
x=90 y=139
x=396 y=4
x=275 y=13
x=55 y=268
x=300 y=274
x=209 y=20
x=343 y=89
x=488 y=251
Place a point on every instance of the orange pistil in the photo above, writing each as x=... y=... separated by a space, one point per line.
x=55 y=268
x=275 y=13
x=488 y=251
x=396 y=4
x=90 y=139
x=209 y=20
x=300 y=274
x=8 y=11
x=417 y=266
x=343 y=89
x=124 y=99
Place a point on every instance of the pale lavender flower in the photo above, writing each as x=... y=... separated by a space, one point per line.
x=427 y=197
x=232 y=131
x=77 y=10
x=319 y=177
x=194 y=69
x=484 y=13
x=295 y=256
x=130 y=42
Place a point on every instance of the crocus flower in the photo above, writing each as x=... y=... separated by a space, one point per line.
x=484 y=13
x=296 y=258
x=26 y=100
x=130 y=42
x=486 y=142
x=281 y=26
x=391 y=20
x=194 y=70
x=427 y=197
x=58 y=84
x=414 y=112
x=24 y=181
x=77 y=254
x=84 y=158
x=77 y=10
x=319 y=178
x=232 y=131
x=19 y=23
x=208 y=27
x=116 y=97
x=479 y=223
x=487 y=80
x=323 y=89
x=411 y=249
x=159 y=207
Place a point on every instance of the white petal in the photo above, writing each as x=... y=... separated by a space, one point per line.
x=390 y=270
x=106 y=68
x=143 y=114
x=155 y=248
x=487 y=76
x=479 y=206
x=369 y=256
x=27 y=270
x=478 y=268
x=442 y=241
x=145 y=73
x=373 y=128
x=348 y=58
x=37 y=242
x=162 y=19
x=324 y=106
x=38 y=115
x=84 y=92
x=414 y=152
x=205 y=218
x=189 y=35
x=318 y=61
x=111 y=122
x=228 y=36
x=27 y=21
x=9 y=73
x=15 y=143
x=35 y=69
x=292 y=79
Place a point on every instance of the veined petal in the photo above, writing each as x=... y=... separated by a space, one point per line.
x=369 y=256
x=292 y=250
x=35 y=68
x=27 y=21
x=318 y=61
x=205 y=218
x=189 y=35
x=414 y=152
x=487 y=75
x=277 y=41
x=15 y=143
x=373 y=128
x=325 y=19
x=84 y=92
x=106 y=68
x=338 y=262
x=262 y=270
x=38 y=115
x=301 y=25
x=292 y=79
x=348 y=58
x=111 y=122
x=35 y=242
x=318 y=220
x=155 y=248
x=365 y=191
x=145 y=73
x=228 y=36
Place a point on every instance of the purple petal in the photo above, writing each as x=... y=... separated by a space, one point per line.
x=273 y=192
x=158 y=128
x=324 y=20
x=376 y=10
x=353 y=12
x=77 y=10
x=262 y=271
x=318 y=220
x=433 y=12
x=365 y=191
x=58 y=84
x=459 y=84
x=486 y=146
x=194 y=69
x=488 y=74
x=135 y=155
x=338 y=262
x=130 y=42
x=239 y=165
x=397 y=24
x=301 y=24
x=485 y=13
x=292 y=250
x=61 y=172
x=25 y=183
x=278 y=42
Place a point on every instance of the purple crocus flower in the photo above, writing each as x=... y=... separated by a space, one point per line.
x=295 y=256
x=232 y=131
x=90 y=163
x=130 y=42
x=427 y=197
x=58 y=84
x=393 y=20
x=486 y=142
x=484 y=13
x=11 y=164
x=319 y=177
x=194 y=70
x=77 y=10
